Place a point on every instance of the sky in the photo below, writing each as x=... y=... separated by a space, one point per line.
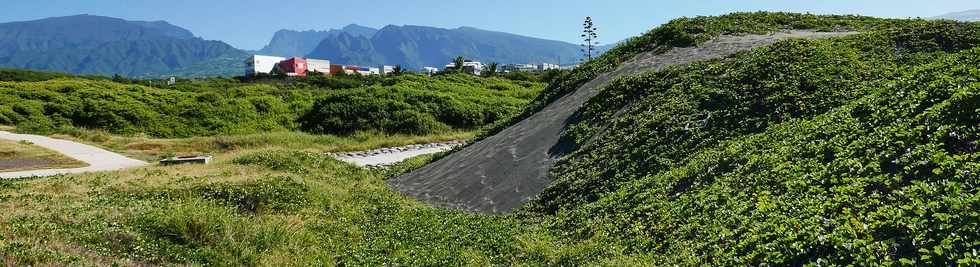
x=250 y=24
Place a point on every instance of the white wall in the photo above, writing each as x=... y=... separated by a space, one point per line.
x=261 y=64
x=318 y=65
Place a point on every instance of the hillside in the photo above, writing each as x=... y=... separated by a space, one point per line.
x=858 y=149
x=415 y=47
x=530 y=148
x=969 y=15
x=87 y=44
x=289 y=43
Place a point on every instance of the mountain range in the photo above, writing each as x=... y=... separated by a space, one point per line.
x=288 y=43
x=969 y=15
x=87 y=44
x=98 y=45
x=415 y=47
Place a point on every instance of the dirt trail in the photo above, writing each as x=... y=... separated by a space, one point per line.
x=98 y=159
x=504 y=171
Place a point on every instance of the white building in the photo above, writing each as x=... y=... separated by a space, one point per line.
x=385 y=70
x=469 y=66
x=519 y=68
x=548 y=66
x=318 y=65
x=430 y=70
x=261 y=64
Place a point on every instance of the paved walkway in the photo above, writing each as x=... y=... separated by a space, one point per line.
x=390 y=156
x=98 y=159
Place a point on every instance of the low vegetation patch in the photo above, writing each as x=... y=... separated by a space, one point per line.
x=405 y=104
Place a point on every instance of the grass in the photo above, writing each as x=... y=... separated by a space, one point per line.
x=24 y=156
x=149 y=148
x=268 y=205
x=404 y=104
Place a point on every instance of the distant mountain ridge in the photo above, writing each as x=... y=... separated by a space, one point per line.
x=289 y=43
x=87 y=44
x=419 y=46
x=969 y=15
x=98 y=45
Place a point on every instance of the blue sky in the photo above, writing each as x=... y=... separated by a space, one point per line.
x=249 y=24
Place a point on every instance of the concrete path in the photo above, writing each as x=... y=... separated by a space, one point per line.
x=390 y=156
x=98 y=159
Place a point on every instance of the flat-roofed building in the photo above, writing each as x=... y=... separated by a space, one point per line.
x=261 y=64
x=318 y=65
x=519 y=68
x=469 y=66
x=548 y=66
x=430 y=70
x=294 y=66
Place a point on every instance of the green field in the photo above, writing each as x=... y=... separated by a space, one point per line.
x=858 y=150
x=405 y=104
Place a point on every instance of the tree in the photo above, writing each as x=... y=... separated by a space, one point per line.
x=315 y=74
x=590 y=38
x=458 y=63
x=278 y=72
x=397 y=70
x=490 y=69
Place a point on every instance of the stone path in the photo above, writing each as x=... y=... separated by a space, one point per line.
x=389 y=156
x=98 y=159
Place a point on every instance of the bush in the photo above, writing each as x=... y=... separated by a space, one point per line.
x=409 y=104
x=418 y=105
x=273 y=194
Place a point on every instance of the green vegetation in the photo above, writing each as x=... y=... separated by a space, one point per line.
x=858 y=150
x=259 y=207
x=410 y=104
x=861 y=150
x=685 y=32
x=418 y=105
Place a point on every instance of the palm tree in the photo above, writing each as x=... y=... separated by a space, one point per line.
x=458 y=63
x=491 y=69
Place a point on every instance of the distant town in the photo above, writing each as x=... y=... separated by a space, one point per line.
x=301 y=67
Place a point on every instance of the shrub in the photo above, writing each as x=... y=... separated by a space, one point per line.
x=273 y=194
x=417 y=105
x=405 y=104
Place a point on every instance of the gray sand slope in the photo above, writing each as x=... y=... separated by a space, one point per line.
x=98 y=159
x=504 y=171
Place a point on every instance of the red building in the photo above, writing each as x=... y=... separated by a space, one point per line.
x=294 y=66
